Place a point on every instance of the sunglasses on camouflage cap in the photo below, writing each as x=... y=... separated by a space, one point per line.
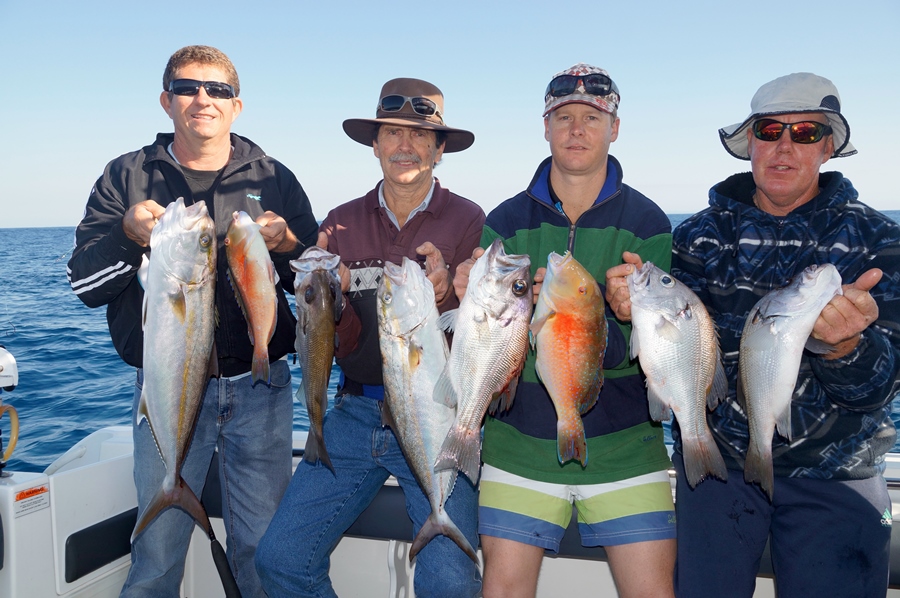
x=596 y=84
x=808 y=131
x=191 y=87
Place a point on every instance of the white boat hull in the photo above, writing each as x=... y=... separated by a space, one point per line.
x=50 y=548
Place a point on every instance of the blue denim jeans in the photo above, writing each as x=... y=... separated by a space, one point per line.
x=251 y=428
x=293 y=557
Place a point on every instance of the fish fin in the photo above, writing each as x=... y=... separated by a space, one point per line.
x=739 y=396
x=814 y=345
x=180 y=496
x=537 y=324
x=212 y=367
x=440 y=523
x=447 y=321
x=783 y=422
x=702 y=459
x=387 y=416
x=315 y=450
x=570 y=442
x=178 y=303
x=414 y=356
x=719 y=389
x=635 y=343
x=259 y=370
x=591 y=396
x=461 y=450
x=659 y=408
x=760 y=339
x=668 y=331
x=758 y=468
x=338 y=303
x=504 y=399
x=143 y=273
x=444 y=393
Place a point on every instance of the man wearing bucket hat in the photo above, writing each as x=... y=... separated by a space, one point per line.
x=827 y=513
x=408 y=214
x=577 y=202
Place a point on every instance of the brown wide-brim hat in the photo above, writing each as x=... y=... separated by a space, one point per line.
x=362 y=130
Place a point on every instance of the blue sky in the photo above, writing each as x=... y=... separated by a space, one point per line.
x=83 y=80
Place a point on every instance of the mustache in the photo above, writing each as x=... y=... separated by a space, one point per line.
x=400 y=157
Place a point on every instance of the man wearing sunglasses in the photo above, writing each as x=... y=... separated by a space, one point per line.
x=408 y=214
x=577 y=202
x=828 y=514
x=249 y=424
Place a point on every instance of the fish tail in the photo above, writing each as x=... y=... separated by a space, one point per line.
x=570 y=440
x=259 y=371
x=315 y=450
x=461 y=450
x=440 y=523
x=702 y=459
x=758 y=468
x=180 y=496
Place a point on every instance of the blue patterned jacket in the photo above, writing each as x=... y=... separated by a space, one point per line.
x=731 y=254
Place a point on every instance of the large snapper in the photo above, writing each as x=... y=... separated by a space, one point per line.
x=568 y=330
x=253 y=278
x=675 y=339
x=317 y=290
x=488 y=352
x=413 y=353
x=179 y=326
x=775 y=333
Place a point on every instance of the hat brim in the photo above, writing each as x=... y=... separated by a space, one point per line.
x=362 y=130
x=734 y=137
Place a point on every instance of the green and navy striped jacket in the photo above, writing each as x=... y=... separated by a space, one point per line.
x=622 y=442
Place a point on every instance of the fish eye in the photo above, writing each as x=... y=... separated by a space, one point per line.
x=582 y=290
x=205 y=240
x=309 y=295
x=667 y=281
x=387 y=298
x=519 y=287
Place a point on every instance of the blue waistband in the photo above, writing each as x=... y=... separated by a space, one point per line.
x=347 y=386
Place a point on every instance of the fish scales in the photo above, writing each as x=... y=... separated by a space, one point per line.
x=414 y=352
x=569 y=332
x=317 y=290
x=179 y=327
x=676 y=342
x=490 y=338
x=772 y=343
x=252 y=276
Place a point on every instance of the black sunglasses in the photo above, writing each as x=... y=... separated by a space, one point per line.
x=808 y=131
x=420 y=105
x=191 y=87
x=596 y=85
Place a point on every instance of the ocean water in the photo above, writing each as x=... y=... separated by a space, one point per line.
x=71 y=381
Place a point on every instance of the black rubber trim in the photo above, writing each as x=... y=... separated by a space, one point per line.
x=100 y=544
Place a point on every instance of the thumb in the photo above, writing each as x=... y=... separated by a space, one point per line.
x=867 y=280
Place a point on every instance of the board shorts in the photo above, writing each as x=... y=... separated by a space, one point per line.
x=637 y=509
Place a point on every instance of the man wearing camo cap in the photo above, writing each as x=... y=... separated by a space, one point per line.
x=577 y=202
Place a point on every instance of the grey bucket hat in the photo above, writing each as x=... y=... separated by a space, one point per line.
x=794 y=93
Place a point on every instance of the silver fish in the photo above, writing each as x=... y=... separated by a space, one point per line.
x=179 y=326
x=317 y=290
x=413 y=353
x=253 y=278
x=772 y=342
x=675 y=339
x=488 y=352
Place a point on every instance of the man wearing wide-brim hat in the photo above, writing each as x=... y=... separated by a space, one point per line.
x=814 y=487
x=408 y=214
